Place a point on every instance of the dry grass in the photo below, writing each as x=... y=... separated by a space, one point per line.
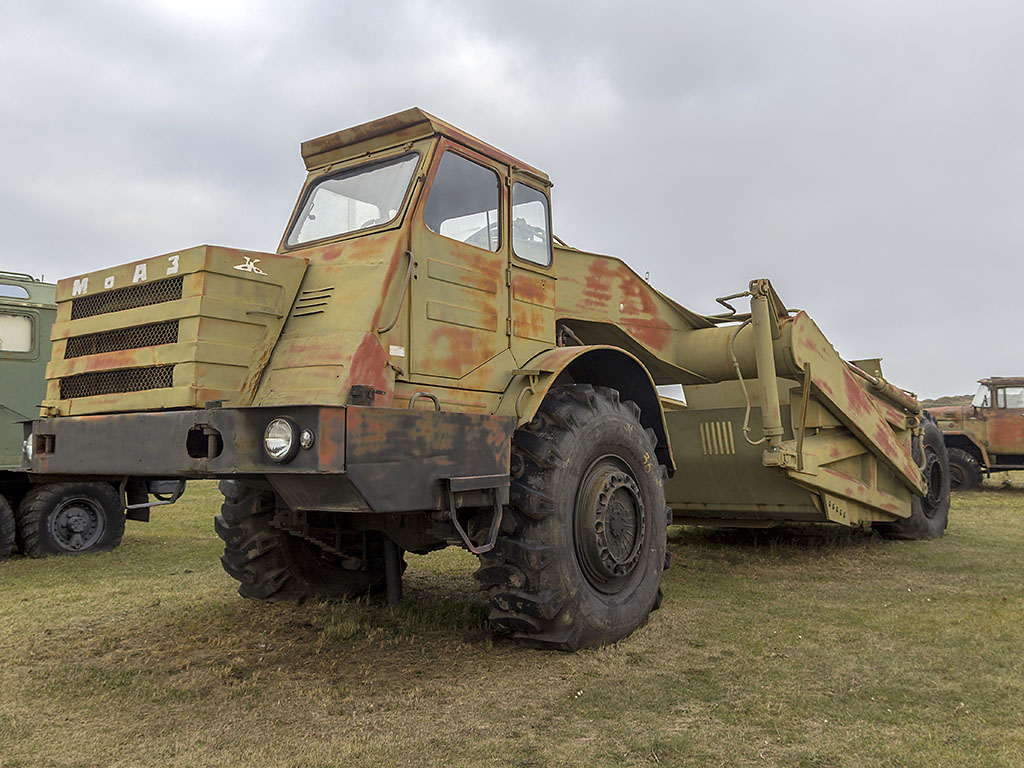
x=793 y=647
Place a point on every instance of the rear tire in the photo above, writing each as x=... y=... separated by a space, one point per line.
x=964 y=471
x=70 y=519
x=6 y=529
x=274 y=565
x=930 y=513
x=583 y=547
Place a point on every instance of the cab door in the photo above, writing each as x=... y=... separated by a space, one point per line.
x=1006 y=421
x=531 y=275
x=459 y=298
x=24 y=353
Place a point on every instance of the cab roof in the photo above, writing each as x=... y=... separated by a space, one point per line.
x=1003 y=381
x=399 y=128
x=27 y=289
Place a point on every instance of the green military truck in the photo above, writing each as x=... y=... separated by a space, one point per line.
x=423 y=363
x=47 y=517
x=987 y=435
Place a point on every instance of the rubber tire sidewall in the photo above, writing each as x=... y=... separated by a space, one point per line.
x=919 y=525
x=257 y=552
x=969 y=466
x=7 y=528
x=601 y=617
x=537 y=587
x=43 y=501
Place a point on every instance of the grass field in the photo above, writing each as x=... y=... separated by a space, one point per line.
x=791 y=647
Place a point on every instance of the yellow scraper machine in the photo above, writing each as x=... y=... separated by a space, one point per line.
x=423 y=363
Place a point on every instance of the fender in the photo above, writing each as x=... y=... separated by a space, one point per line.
x=963 y=441
x=600 y=365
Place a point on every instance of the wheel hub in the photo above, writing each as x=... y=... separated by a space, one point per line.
x=956 y=477
x=77 y=525
x=77 y=521
x=610 y=525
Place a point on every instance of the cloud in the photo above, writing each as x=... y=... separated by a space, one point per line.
x=864 y=156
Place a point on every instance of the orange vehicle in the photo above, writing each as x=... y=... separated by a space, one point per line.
x=987 y=435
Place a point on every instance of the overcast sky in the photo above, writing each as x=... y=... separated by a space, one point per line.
x=866 y=156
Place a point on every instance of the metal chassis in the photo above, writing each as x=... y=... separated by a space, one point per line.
x=364 y=459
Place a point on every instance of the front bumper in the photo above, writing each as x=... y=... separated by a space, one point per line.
x=362 y=458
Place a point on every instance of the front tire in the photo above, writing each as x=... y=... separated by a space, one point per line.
x=6 y=529
x=274 y=565
x=70 y=519
x=929 y=513
x=583 y=547
x=964 y=471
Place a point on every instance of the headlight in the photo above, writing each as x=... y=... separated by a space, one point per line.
x=281 y=439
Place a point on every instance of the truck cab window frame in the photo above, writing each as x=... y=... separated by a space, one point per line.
x=981 y=398
x=1010 y=398
x=17 y=333
x=354 y=199
x=9 y=291
x=531 y=225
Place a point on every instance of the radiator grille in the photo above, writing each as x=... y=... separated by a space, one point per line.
x=114 y=382
x=130 y=297
x=152 y=335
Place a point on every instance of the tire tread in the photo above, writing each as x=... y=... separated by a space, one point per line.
x=523 y=603
x=7 y=529
x=40 y=501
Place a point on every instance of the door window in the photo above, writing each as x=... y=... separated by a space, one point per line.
x=463 y=203
x=1010 y=397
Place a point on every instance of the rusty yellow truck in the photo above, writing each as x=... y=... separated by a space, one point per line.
x=423 y=363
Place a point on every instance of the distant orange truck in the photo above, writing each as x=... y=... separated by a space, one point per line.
x=987 y=435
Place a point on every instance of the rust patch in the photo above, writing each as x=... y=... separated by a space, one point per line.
x=456 y=349
x=597 y=285
x=331 y=440
x=853 y=405
x=533 y=290
x=654 y=337
x=485 y=280
x=370 y=368
x=532 y=322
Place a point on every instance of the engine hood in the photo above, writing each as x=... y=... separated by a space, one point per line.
x=330 y=341
x=951 y=416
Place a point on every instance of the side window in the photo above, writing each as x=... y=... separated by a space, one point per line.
x=1010 y=397
x=463 y=202
x=13 y=291
x=530 y=238
x=15 y=333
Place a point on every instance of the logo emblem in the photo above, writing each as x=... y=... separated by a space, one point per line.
x=250 y=266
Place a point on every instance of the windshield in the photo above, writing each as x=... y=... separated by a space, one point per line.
x=357 y=198
x=981 y=399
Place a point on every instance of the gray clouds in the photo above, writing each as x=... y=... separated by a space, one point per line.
x=865 y=156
